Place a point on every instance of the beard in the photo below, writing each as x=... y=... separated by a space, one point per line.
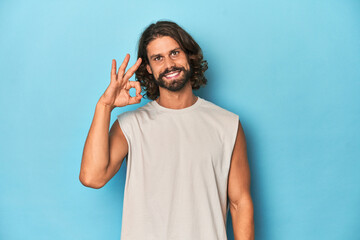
x=175 y=84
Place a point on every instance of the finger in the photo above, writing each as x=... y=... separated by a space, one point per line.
x=136 y=99
x=113 y=70
x=136 y=85
x=132 y=70
x=123 y=66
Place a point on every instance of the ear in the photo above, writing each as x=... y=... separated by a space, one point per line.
x=148 y=68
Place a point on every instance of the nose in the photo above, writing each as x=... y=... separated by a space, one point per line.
x=169 y=63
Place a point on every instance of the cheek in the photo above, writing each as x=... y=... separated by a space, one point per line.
x=154 y=70
x=185 y=64
x=157 y=72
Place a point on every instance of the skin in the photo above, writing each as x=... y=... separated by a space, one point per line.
x=241 y=204
x=164 y=53
x=104 y=151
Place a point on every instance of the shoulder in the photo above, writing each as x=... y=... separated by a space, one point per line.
x=216 y=110
x=124 y=116
x=132 y=114
x=222 y=119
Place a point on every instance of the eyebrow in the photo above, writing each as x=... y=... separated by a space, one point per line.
x=156 y=55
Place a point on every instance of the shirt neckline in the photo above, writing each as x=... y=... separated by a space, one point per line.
x=181 y=110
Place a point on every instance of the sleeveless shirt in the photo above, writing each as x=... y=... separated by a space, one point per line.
x=177 y=171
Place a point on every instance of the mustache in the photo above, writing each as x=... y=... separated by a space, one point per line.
x=161 y=75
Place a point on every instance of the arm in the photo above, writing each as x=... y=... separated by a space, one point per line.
x=103 y=151
x=241 y=205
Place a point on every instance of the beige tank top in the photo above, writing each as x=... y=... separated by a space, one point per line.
x=177 y=171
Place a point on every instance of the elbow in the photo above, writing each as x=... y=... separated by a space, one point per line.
x=89 y=182
x=245 y=202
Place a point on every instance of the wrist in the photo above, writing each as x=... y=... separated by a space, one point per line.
x=100 y=104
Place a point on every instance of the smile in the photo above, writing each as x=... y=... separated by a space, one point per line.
x=172 y=74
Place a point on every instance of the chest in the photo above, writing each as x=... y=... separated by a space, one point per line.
x=166 y=140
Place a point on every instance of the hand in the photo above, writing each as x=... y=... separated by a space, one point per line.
x=117 y=93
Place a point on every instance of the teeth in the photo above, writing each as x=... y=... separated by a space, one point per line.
x=171 y=74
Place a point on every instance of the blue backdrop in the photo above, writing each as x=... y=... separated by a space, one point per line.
x=289 y=69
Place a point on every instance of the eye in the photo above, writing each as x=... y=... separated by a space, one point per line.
x=174 y=53
x=158 y=58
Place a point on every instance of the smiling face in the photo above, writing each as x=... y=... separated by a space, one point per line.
x=168 y=63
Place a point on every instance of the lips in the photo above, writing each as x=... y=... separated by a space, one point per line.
x=172 y=74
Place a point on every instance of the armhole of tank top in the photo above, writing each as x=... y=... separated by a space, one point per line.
x=233 y=140
x=236 y=129
x=234 y=135
x=123 y=129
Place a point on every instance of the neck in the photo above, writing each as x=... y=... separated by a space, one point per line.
x=177 y=100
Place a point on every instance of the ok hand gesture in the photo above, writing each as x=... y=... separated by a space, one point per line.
x=117 y=93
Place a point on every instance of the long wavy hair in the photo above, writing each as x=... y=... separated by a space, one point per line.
x=192 y=50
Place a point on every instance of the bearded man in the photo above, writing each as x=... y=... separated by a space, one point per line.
x=185 y=156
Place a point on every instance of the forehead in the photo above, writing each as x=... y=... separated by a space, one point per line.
x=161 y=45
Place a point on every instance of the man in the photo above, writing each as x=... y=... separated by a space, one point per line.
x=186 y=157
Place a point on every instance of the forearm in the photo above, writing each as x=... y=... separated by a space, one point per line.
x=242 y=215
x=95 y=157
